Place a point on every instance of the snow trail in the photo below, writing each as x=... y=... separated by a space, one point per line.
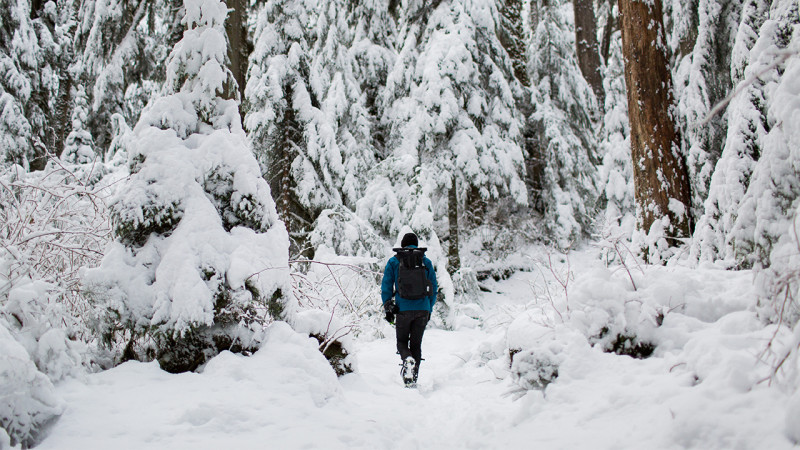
x=699 y=390
x=253 y=403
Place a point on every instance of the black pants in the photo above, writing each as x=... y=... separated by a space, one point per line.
x=410 y=325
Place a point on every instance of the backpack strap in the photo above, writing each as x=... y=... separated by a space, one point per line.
x=411 y=257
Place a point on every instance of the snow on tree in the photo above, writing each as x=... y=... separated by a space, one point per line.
x=565 y=173
x=123 y=46
x=660 y=178
x=451 y=112
x=294 y=144
x=702 y=79
x=343 y=110
x=766 y=210
x=28 y=85
x=747 y=124
x=79 y=144
x=53 y=222
x=373 y=54
x=512 y=35
x=616 y=171
x=200 y=257
x=28 y=401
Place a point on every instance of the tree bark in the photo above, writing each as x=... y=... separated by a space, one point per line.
x=512 y=37
x=453 y=260
x=586 y=46
x=605 y=46
x=659 y=171
x=238 y=47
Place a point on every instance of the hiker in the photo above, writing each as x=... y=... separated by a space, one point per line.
x=410 y=279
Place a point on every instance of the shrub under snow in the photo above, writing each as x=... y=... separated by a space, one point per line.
x=28 y=402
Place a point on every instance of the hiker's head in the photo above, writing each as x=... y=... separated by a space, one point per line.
x=409 y=239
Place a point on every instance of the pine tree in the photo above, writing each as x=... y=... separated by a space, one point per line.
x=340 y=134
x=765 y=214
x=616 y=171
x=195 y=221
x=702 y=79
x=344 y=127
x=458 y=121
x=660 y=178
x=79 y=144
x=283 y=111
x=564 y=159
x=747 y=124
x=373 y=53
x=512 y=36
x=28 y=85
x=122 y=47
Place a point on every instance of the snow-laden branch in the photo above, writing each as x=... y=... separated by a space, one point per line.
x=781 y=57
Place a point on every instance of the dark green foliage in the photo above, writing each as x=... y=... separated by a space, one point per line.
x=183 y=353
x=532 y=369
x=245 y=211
x=625 y=344
x=156 y=220
x=335 y=353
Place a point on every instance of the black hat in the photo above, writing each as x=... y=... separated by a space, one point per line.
x=409 y=239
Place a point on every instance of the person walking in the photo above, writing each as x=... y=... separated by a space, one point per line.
x=409 y=278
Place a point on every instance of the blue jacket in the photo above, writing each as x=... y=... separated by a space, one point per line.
x=389 y=287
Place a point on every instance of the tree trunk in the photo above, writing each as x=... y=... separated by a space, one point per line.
x=453 y=260
x=611 y=23
x=62 y=123
x=512 y=37
x=586 y=46
x=660 y=176
x=239 y=48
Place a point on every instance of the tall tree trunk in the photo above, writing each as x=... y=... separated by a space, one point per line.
x=512 y=37
x=660 y=176
x=611 y=24
x=453 y=260
x=62 y=123
x=239 y=48
x=586 y=46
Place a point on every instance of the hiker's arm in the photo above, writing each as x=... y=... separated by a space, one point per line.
x=387 y=285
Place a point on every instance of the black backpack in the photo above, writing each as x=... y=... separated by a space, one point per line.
x=412 y=280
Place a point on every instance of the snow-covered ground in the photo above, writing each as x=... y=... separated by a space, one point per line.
x=699 y=390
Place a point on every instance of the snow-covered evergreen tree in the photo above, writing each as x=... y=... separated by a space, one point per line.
x=564 y=102
x=766 y=210
x=450 y=109
x=702 y=79
x=201 y=256
x=344 y=113
x=373 y=54
x=121 y=49
x=28 y=85
x=616 y=172
x=295 y=146
x=747 y=124
x=452 y=113
x=78 y=147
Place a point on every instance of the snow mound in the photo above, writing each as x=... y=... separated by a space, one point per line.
x=28 y=401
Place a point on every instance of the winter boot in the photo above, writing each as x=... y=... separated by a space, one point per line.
x=409 y=371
